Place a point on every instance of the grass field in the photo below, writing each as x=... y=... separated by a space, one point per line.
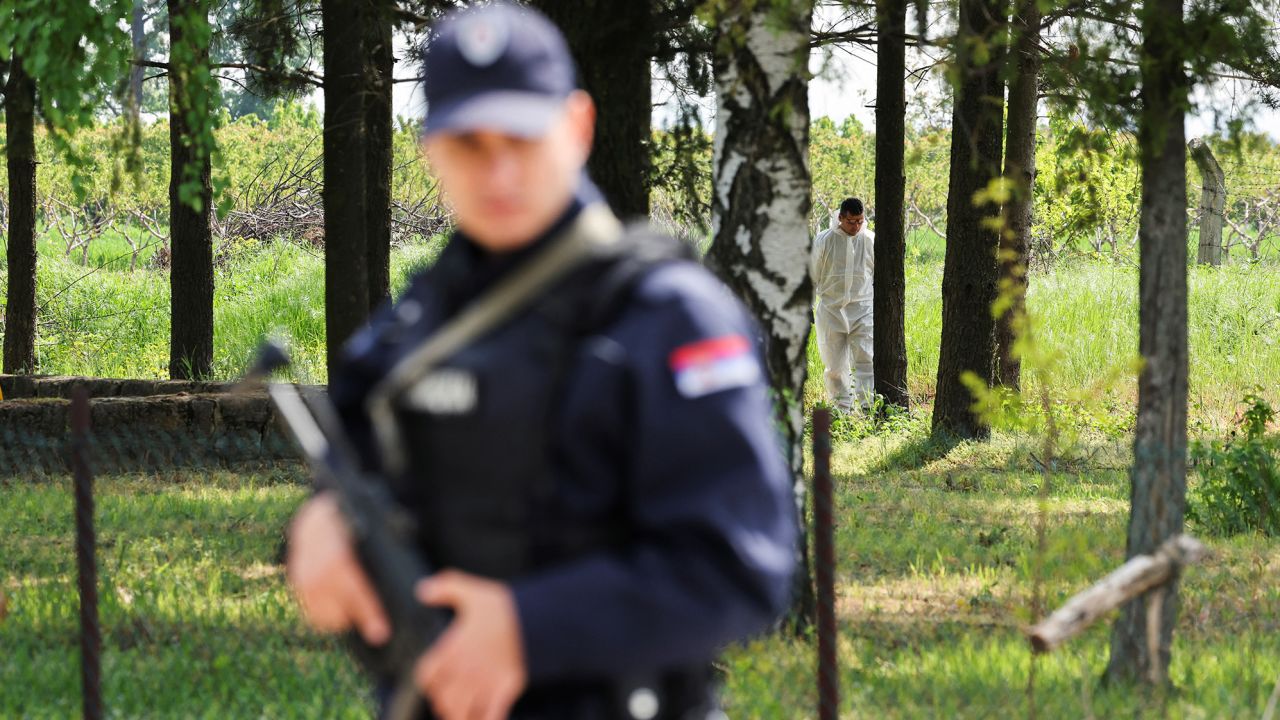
x=936 y=569
x=195 y=616
x=937 y=572
x=102 y=319
x=935 y=543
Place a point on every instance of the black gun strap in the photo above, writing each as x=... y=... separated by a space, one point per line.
x=593 y=234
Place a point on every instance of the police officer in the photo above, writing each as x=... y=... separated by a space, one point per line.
x=597 y=475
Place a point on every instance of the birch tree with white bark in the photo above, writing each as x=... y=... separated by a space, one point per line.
x=761 y=197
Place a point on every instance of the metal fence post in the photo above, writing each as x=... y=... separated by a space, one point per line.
x=86 y=562
x=824 y=572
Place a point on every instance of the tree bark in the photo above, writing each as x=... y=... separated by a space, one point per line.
x=1020 y=168
x=346 y=246
x=760 y=205
x=20 y=147
x=138 y=35
x=1213 y=201
x=889 y=347
x=191 y=239
x=610 y=42
x=1158 y=478
x=380 y=63
x=969 y=272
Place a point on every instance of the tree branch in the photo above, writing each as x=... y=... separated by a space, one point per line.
x=677 y=15
x=864 y=34
x=301 y=75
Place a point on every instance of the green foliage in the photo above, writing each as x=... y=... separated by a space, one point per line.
x=251 y=152
x=680 y=176
x=842 y=162
x=105 y=320
x=880 y=421
x=1087 y=189
x=270 y=34
x=1101 y=74
x=195 y=94
x=104 y=308
x=1239 y=489
x=76 y=51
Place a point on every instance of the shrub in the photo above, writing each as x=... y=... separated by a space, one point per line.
x=1239 y=490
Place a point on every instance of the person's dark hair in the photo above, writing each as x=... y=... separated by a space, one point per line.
x=851 y=206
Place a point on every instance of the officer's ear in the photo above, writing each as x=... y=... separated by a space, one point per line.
x=581 y=112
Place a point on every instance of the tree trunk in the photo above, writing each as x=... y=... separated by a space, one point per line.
x=137 y=31
x=1020 y=168
x=1213 y=201
x=346 y=277
x=889 y=283
x=760 y=205
x=611 y=43
x=969 y=272
x=191 y=239
x=380 y=63
x=1158 y=479
x=20 y=146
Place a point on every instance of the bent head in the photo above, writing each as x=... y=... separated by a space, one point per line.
x=852 y=216
x=507 y=131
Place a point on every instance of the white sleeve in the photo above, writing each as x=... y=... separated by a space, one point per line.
x=815 y=257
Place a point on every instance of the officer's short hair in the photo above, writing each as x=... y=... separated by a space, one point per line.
x=851 y=206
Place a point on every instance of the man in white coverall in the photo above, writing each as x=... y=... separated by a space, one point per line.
x=841 y=266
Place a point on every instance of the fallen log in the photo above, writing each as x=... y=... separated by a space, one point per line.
x=1140 y=574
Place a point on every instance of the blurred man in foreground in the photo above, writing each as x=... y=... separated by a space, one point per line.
x=598 y=476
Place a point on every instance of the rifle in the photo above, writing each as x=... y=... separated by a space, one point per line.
x=381 y=530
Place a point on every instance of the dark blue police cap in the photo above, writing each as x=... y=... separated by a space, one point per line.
x=496 y=67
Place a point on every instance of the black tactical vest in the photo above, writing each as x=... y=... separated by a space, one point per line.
x=482 y=477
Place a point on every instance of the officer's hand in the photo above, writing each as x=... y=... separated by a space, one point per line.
x=326 y=577
x=475 y=670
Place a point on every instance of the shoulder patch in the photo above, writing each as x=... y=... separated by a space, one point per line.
x=709 y=366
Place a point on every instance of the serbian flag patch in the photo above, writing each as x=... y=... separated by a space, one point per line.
x=709 y=366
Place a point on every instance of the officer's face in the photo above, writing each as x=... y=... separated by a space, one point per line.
x=506 y=190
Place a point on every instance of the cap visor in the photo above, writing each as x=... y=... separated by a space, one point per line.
x=511 y=112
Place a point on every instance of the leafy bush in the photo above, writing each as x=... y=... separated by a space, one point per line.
x=1240 y=486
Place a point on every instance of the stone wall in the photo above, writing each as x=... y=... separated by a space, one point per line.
x=22 y=387
x=137 y=426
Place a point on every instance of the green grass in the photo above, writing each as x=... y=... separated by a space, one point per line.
x=935 y=546
x=102 y=319
x=936 y=572
x=935 y=541
x=196 y=620
x=1086 y=313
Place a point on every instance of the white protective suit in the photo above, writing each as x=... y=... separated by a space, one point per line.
x=841 y=267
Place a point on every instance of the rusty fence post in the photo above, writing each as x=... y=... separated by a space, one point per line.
x=824 y=570
x=86 y=558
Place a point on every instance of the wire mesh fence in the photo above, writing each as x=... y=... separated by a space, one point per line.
x=143 y=568
x=927 y=555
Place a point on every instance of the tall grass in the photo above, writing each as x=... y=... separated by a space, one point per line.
x=1087 y=312
x=101 y=318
